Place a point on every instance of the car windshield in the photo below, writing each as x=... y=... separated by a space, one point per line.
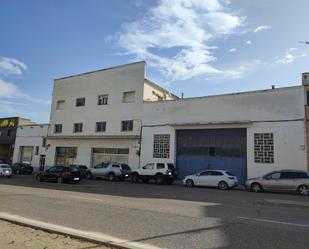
x=4 y=167
x=170 y=166
x=229 y=173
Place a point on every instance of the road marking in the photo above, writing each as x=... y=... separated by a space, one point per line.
x=273 y=221
x=76 y=233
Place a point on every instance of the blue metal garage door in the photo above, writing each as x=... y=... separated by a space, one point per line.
x=223 y=149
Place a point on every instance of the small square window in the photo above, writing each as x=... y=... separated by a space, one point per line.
x=100 y=126
x=60 y=104
x=128 y=97
x=103 y=99
x=127 y=125
x=58 y=128
x=80 y=102
x=78 y=127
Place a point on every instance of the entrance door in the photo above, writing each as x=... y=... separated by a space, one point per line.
x=207 y=149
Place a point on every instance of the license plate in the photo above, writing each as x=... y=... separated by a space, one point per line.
x=126 y=175
x=76 y=178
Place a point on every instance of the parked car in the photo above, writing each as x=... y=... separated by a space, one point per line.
x=5 y=170
x=22 y=168
x=212 y=178
x=284 y=180
x=60 y=174
x=159 y=172
x=111 y=171
x=83 y=169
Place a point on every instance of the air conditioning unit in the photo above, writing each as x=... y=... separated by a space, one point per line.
x=305 y=79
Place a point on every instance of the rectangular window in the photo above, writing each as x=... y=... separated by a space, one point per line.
x=78 y=127
x=103 y=99
x=58 y=128
x=44 y=142
x=60 y=104
x=80 y=101
x=161 y=146
x=127 y=125
x=37 y=150
x=128 y=97
x=100 y=126
x=264 y=147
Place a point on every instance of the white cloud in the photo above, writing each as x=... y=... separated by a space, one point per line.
x=10 y=91
x=174 y=36
x=232 y=49
x=11 y=66
x=290 y=56
x=261 y=28
x=248 y=42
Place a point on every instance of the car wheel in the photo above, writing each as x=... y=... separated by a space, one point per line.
x=223 y=185
x=38 y=178
x=9 y=176
x=303 y=190
x=59 y=180
x=135 y=178
x=159 y=179
x=256 y=187
x=88 y=175
x=111 y=177
x=17 y=172
x=189 y=183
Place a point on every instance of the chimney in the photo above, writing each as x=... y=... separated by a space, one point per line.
x=305 y=79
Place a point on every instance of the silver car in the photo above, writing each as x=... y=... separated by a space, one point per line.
x=5 y=170
x=111 y=171
x=284 y=180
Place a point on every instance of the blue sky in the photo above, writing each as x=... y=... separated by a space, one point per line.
x=199 y=47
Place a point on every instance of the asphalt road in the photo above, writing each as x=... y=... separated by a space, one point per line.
x=165 y=216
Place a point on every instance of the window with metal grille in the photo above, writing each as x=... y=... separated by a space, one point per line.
x=78 y=127
x=161 y=146
x=100 y=126
x=264 y=147
x=103 y=99
x=127 y=125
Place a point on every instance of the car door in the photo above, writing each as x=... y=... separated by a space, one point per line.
x=203 y=178
x=271 y=181
x=49 y=174
x=148 y=169
x=216 y=177
x=97 y=169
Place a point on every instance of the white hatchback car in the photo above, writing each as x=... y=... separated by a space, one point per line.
x=212 y=178
x=5 y=170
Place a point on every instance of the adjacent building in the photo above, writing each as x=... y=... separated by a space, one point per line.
x=31 y=145
x=8 y=127
x=117 y=114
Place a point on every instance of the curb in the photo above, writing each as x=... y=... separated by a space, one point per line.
x=95 y=237
x=285 y=203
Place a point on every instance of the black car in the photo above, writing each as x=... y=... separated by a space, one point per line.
x=60 y=174
x=22 y=168
x=83 y=169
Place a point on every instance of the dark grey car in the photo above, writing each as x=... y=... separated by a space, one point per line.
x=284 y=180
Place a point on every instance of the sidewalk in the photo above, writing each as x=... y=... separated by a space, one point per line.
x=13 y=236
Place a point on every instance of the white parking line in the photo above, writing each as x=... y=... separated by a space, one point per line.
x=273 y=221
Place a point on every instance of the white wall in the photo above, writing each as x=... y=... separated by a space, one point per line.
x=277 y=104
x=113 y=82
x=283 y=109
x=30 y=135
x=289 y=147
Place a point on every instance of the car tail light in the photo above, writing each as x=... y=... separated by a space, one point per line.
x=232 y=177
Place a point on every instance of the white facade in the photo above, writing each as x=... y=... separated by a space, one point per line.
x=125 y=89
x=32 y=137
x=128 y=96
x=277 y=111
